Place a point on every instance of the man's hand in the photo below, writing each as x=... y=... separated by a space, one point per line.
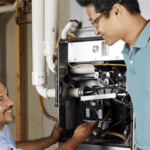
x=42 y=143
x=56 y=133
x=84 y=131
x=80 y=135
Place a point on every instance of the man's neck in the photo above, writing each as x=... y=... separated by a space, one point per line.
x=134 y=27
x=1 y=127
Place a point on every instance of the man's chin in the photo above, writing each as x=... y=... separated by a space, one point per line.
x=11 y=120
x=110 y=43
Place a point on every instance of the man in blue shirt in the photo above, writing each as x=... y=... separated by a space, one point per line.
x=6 y=117
x=7 y=142
x=121 y=19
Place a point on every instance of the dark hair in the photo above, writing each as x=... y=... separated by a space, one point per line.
x=101 y=5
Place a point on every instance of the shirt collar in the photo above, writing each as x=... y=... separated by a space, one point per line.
x=144 y=37
x=2 y=133
x=141 y=43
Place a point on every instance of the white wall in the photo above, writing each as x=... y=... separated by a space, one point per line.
x=145 y=8
x=79 y=13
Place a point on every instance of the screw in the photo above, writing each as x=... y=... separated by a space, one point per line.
x=56 y=104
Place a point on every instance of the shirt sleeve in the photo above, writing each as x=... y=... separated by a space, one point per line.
x=6 y=145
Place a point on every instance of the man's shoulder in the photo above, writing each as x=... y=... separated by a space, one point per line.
x=6 y=140
x=6 y=145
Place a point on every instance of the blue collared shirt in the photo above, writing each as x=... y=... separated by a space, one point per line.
x=138 y=85
x=6 y=140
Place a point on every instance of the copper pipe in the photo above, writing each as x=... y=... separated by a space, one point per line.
x=115 y=134
x=45 y=113
x=118 y=135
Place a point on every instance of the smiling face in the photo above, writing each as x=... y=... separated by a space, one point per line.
x=111 y=28
x=6 y=107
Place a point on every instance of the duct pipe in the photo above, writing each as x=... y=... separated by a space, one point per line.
x=47 y=93
x=39 y=69
x=39 y=73
x=71 y=25
x=50 y=31
x=10 y=8
x=83 y=70
x=73 y=93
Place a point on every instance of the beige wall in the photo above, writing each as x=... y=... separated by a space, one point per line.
x=34 y=124
x=7 y=69
x=7 y=57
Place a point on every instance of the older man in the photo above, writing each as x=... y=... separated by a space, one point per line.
x=7 y=142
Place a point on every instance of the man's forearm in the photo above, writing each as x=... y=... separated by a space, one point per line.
x=71 y=144
x=37 y=144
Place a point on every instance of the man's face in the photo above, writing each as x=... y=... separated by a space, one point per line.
x=6 y=107
x=109 y=28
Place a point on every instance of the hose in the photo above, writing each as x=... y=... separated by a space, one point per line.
x=43 y=110
x=17 y=8
x=116 y=134
x=69 y=36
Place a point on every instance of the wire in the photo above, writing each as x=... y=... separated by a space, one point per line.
x=128 y=138
x=69 y=36
x=45 y=113
x=120 y=88
x=111 y=80
x=118 y=101
x=96 y=65
x=124 y=98
x=115 y=85
x=118 y=122
x=95 y=90
x=107 y=114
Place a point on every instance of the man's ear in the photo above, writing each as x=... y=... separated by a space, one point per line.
x=117 y=9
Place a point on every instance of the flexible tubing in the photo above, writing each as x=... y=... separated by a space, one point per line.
x=44 y=112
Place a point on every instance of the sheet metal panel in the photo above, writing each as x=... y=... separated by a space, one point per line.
x=97 y=147
x=94 y=51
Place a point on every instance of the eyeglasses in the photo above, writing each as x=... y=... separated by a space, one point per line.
x=107 y=10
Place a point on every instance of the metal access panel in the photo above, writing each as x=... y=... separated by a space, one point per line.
x=94 y=51
x=97 y=147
